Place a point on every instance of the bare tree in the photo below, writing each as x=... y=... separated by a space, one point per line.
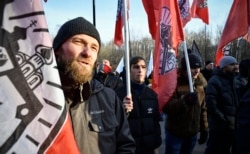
x=206 y=42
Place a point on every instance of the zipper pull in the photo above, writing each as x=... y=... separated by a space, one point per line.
x=81 y=88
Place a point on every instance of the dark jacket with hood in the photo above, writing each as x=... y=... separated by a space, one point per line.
x=98 y=119
x=222 y=101
x=186 y=120
x=144 y=118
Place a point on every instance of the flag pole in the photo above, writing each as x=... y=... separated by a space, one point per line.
x=126 y=48
x=205 y=44
x=238 y=48
x=188 y=67
x=94 y=13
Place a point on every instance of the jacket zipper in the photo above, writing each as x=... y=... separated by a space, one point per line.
x=80 y=89
x=85 y=116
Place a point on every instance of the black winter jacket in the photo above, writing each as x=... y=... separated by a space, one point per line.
x=144 y=119
x=243 y=121
x=109 y=80
x=222 y=101
x=98 y=119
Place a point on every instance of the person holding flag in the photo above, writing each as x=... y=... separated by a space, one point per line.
x=186 y=114
x=144 y=116
x=97 y=115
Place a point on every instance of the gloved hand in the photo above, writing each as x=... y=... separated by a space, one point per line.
x=191 y=98
x=203 y=137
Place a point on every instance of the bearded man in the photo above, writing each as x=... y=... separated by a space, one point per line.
x=98 y=118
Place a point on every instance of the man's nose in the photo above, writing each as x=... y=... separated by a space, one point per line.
x=86 y=51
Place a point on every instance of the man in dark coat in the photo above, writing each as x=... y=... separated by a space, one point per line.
x=207 y=71
x=243 y=116
x=144 y=116
x=97 y=115
x=243 y=123
x=243 y=76
x=222 y=102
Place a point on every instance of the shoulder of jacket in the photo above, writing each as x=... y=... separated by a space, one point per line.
x=96 y=85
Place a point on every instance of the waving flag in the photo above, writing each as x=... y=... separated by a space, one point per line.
x=169 y=35
x=184 y=11
x=196 y=51
x=152 y=9
x=118 y=39
x=236 y=26
x=32 y=106
x=199 y=9
x=120 y=66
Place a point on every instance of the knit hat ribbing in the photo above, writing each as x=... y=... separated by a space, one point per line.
x=73 y=27
x=226 y=60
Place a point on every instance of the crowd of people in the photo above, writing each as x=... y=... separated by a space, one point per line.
x=105 y=119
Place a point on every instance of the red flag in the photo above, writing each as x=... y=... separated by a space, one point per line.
x=237 y=25
x=152 y=9
x=118 y=39
x=184 y=11
x=169 y=35
x=199 y=9
x=33 y=114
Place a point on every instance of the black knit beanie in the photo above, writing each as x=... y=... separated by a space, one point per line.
x=194 y=62
x=208 y=62
x=73 y=27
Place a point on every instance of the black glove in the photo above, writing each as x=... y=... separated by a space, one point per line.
x=191 y=98
x=203 y=137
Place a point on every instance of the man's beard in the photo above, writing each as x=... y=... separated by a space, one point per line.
x=73 y=70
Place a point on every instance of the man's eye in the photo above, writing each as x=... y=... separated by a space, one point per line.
x=94 y=48
x=77 y=41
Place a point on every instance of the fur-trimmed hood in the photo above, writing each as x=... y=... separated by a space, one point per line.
x=183 y=79
x=200 y=81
